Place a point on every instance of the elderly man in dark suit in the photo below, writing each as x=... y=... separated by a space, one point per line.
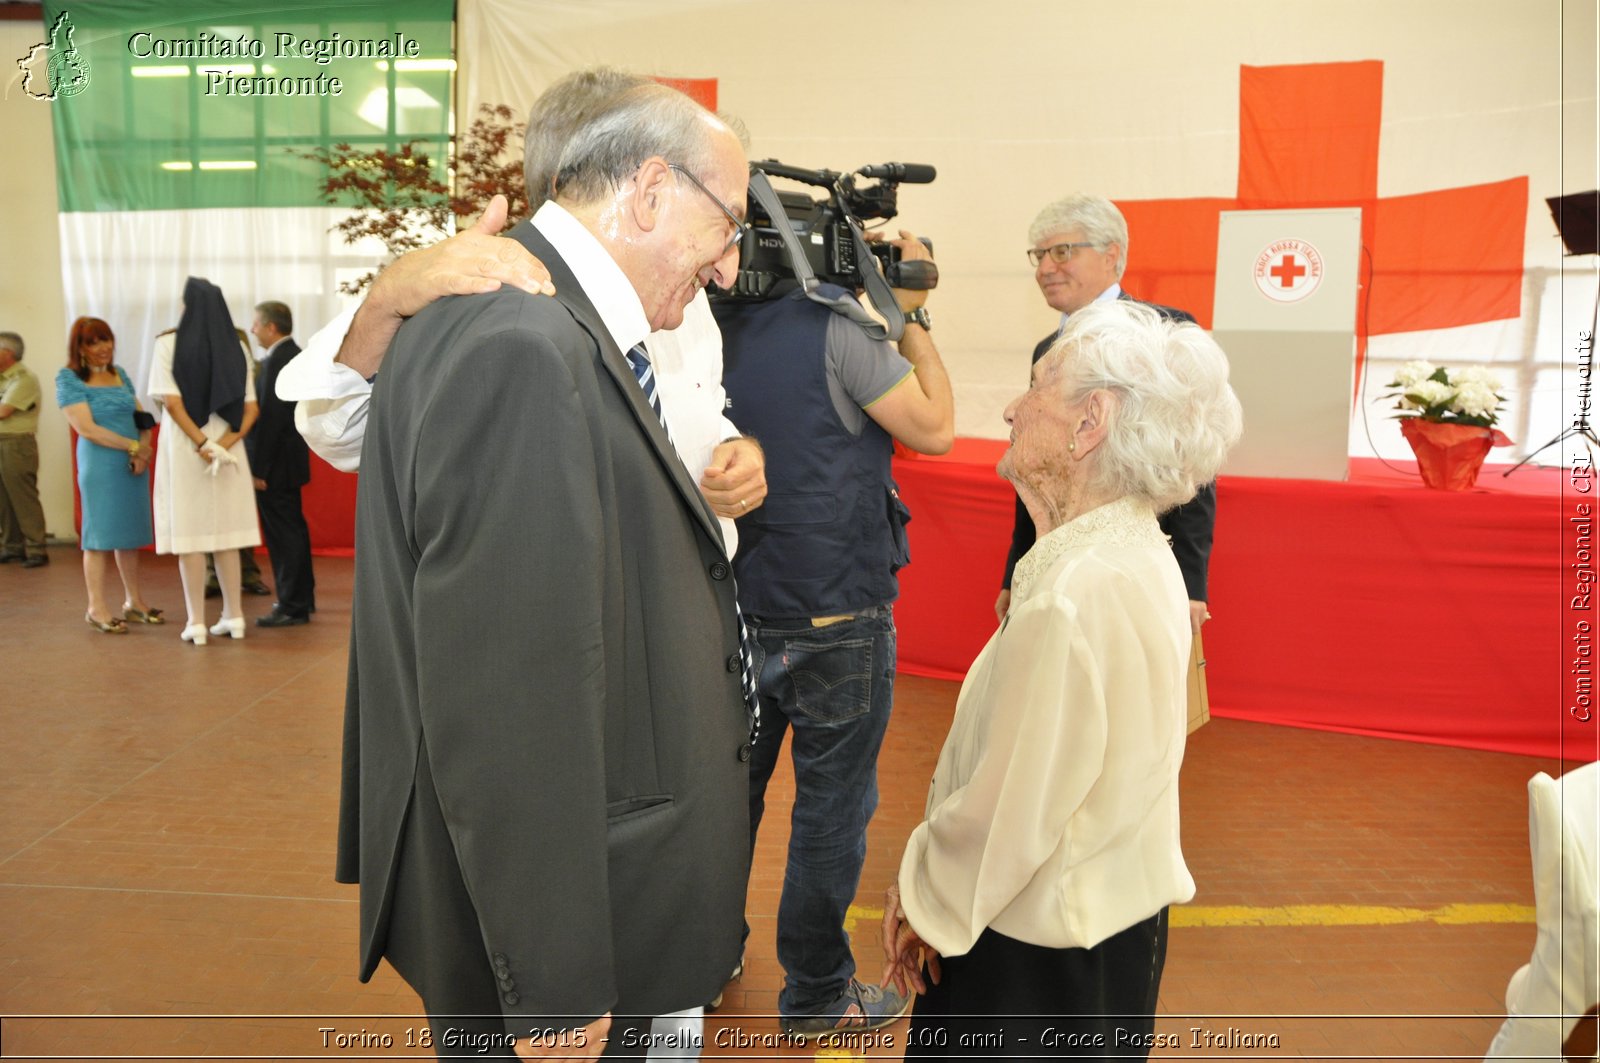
x=1080 y=248
x=281 y=464
x=546 y=735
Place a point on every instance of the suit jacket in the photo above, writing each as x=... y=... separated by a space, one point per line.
x=278 y=453
x=545 y=637
x=1190 y=525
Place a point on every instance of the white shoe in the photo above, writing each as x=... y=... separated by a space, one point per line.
x=195 y=633
x=226 y=626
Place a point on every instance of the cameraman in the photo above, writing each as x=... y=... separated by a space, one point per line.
x=816 y=569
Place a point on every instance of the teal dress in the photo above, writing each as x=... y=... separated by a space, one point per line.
x=116 y=504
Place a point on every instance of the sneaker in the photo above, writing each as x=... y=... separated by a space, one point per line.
x=860 y=1007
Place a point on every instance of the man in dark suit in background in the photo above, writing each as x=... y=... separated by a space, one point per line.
x=546 y=738
x=281 y=465
x=1080 y=248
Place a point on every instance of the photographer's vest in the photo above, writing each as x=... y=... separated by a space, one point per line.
x=831 y=534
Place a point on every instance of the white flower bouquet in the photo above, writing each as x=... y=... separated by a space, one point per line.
x=1448 y=416
x=1469 y=396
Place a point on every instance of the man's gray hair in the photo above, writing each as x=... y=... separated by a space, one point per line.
x=558 y=113
x=1095 y=216
x=1174 y=416
x=649 y=119
x=12 y=342
x=277 y=315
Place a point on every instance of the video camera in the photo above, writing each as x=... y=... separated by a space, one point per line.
x=820 y=240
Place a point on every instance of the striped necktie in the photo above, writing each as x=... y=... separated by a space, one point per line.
x=639 y=362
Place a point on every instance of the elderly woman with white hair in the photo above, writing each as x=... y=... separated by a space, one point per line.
x=1031 y=908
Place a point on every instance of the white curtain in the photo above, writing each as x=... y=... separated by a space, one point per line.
x=128 y=268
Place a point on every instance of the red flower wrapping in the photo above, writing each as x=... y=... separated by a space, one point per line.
x=1450 y=455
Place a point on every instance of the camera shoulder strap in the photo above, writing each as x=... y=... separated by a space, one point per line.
x=878 y=291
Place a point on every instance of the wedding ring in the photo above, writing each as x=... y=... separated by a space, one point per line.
x=742 y=504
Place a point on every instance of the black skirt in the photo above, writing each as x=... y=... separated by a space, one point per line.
x=1008 y=998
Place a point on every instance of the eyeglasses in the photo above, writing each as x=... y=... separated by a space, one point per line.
x=739 y=227
x=1060 y=254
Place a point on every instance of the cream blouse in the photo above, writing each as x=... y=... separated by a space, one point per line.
x=1053 y=812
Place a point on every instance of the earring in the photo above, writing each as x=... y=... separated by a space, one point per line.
x=1072 y=445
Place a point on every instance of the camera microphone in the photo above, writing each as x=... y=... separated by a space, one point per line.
x=911 y=173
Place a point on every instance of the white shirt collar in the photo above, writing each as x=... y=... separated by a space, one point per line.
x=1113 y=292
x=601 y=279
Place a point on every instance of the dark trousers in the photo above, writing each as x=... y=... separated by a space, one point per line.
x=288 y=541
x=832 y=689
x=1006 y=998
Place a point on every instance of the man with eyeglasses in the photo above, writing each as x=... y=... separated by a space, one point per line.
x=331 y=378
x=817 y=581
x=1080 y=248
x=546 y=736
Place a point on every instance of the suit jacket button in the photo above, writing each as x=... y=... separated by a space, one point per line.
x=511 y=999
x=507 y=983
x=733 y=663
x=719 y=570
x=744 y=752
x=500 y=959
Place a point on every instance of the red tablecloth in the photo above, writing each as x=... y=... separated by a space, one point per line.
x=1375 y=606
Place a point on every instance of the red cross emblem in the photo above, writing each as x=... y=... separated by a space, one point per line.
x=1288 y=270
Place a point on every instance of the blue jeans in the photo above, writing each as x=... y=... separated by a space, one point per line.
x=833 y=686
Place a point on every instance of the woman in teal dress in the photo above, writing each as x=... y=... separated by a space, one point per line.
x=113 y=471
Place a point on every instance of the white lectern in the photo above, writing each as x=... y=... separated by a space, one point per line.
x=1285 y=313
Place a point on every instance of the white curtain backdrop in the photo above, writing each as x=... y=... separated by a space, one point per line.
x=128 y=268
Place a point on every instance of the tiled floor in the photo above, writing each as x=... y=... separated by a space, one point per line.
x=166 y=846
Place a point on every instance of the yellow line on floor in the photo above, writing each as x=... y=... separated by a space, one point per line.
x=1348 y=915
x=1199 y=915
x=856 y=913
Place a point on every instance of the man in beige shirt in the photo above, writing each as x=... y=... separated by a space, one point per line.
x=21 y=517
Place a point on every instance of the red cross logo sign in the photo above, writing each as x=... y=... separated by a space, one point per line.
x=1287 y=271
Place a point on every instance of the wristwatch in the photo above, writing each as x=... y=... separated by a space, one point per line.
x=920 y=316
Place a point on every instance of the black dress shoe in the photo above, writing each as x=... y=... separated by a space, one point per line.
x=257 y=588
x=213 y=591
x=6 y=559
x=281 y=619
x=36 y=561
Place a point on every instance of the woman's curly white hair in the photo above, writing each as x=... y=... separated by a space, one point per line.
x=1173 y=418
